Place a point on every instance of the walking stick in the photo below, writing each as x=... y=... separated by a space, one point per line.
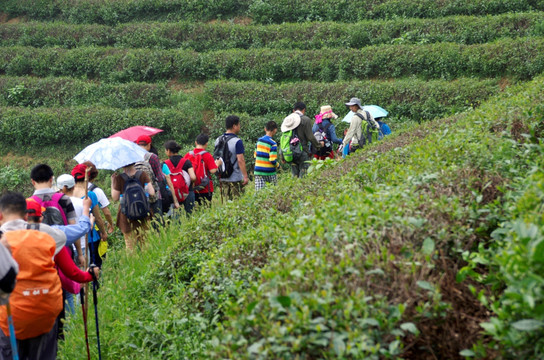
x=12 y=338
x=81 y=297
x=86 y=297
x=96 y=286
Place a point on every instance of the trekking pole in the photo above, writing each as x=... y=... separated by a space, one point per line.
x=12 y=338
x=86 y=295
x=81 y=297
x=96 y=286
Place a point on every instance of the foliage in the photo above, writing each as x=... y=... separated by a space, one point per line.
x=315 y=35
x=520 y=58
x=84 y=125
x=404 y=98
x=296 y=278
x=52 y=92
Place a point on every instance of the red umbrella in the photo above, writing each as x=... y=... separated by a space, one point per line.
x=132 y=133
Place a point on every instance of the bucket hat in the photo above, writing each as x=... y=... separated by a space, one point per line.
x=354 y=101
x=290 y=122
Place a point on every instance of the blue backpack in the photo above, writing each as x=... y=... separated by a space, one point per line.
x=134 y=204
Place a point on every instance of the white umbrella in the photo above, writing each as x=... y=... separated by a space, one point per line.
x=111 y=153
x=374 y=110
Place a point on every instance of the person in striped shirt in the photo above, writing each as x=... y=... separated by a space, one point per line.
x=266 y=157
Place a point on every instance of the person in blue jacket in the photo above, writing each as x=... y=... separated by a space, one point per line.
x=324 y=129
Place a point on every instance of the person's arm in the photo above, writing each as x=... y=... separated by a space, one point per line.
x=192 y=175
x=115 y=193
x=273 y=156
x=8 y=271
x=351 y=131
x=144 y=178
x=242 y=165
x=156 y=167
x=332 y=135
x=107 y=214
x=65 y=263
x=171 y=188
x=100 y=223
x=308 y=134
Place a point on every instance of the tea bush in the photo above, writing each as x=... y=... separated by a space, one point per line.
x=412 y=99
x=357 y=260
x=51 y=92
x=520 y=58
x=203 y=37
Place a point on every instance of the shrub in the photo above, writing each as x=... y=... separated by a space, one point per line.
x=521 y=58
x=304 y=36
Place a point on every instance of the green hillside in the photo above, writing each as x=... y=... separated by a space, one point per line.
x=427 y=245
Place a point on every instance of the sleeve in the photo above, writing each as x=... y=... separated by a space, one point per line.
x=68 y=208
x=68 y=268
x=351 y=131
x=8 y=272
x=188 y=165
x=273 y=156
x=209 y=161
x=332 y=135
x=76 y=231
x=117 y=180
x=240 y=147
x=57 y=235
x=310 y=136
x=156 y=166
x=102 y=198
x=144 y=178
x=165 y=170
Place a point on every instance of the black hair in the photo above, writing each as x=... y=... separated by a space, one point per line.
x=154 y=150
x=41 y=173
x=230 y=121
x=13 y=203
x=173 y=146
x=299 y=106
x=271 y=126
x=202 y=139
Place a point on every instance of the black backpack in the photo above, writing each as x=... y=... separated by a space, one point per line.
x=369 y=131
x=134 y=204
x=222 y=151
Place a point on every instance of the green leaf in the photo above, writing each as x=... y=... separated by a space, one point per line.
x=285 y=301
x=528 y=325
x=425 y=285
x=428 y=246
x=339 y=345
x=467 y=353
x=251 y=306
x=408 y=326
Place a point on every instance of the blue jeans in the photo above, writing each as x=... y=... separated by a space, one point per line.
x=189 y=202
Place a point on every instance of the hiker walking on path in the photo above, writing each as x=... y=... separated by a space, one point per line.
x=324 y=131
x=204 y=166
x=133 y=226
x=363 y=129
x=182 y=176
x=302 y=126
x=152 y=166
x=103 y=201
x=266 y=157
x=36 y=300
x=229 y=148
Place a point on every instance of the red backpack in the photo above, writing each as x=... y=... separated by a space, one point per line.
x=179 y=179
x=202 y=180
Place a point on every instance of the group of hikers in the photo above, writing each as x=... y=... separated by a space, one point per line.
x=62 y=228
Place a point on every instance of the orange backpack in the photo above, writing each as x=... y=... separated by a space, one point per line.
x=36 y=300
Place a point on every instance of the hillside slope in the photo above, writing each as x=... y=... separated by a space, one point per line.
x=358 y=260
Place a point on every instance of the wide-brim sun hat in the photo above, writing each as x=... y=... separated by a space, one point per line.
x=354 y=101
x=290 y=122
x=326 y=112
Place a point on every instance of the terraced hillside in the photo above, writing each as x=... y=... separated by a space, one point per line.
x=363 y=265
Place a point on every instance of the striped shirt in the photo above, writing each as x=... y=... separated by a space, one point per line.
x=266 y=156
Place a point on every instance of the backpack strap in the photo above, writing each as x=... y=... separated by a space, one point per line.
x=33 y=226
x=175 y=170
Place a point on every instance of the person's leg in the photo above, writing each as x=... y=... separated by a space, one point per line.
x=304 y=164
x=260 y=182
x=69 y=303
x=5 y=347
x=130 y=241
x=189 y=202
x=156 y=207
x=43 y=347
x=295 y=169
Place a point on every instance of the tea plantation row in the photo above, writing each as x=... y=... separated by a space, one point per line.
x=408 y=98
x=305 y=36
x=301 y=280
x=261 y=11
x=522 y=58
